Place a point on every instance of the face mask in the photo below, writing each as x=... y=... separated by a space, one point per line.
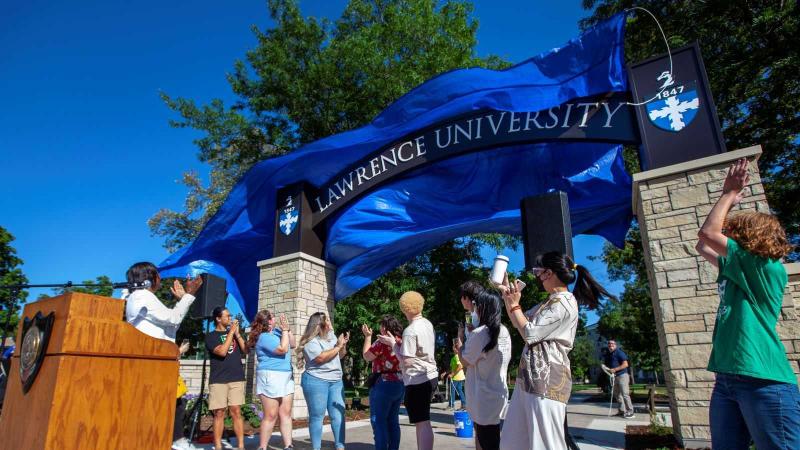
x=475 y=319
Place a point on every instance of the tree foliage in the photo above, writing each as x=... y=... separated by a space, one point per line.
x=751 y=56
x=631 y=319
x=10 y=274
x=99 y=286
x=307 y=79
x=751 y=60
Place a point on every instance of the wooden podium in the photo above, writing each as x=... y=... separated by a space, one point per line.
x=101 y=384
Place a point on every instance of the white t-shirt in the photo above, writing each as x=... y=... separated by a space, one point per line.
x=486 y=389
x=417 y=352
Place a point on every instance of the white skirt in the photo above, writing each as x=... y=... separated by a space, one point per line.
x=274 y=383
x=533 y=423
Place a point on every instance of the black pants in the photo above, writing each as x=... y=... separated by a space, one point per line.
x=488 y=436
x=180 y=412
x=571 y=445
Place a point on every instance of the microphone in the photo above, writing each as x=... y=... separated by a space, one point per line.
x=146 y=284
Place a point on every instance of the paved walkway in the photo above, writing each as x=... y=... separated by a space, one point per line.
x=589 y=425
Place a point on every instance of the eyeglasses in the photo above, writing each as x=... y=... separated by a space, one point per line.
x=538 y=271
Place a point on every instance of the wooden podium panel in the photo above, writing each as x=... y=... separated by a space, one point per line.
x=102 y=383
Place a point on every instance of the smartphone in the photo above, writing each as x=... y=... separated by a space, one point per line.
x=520 y=284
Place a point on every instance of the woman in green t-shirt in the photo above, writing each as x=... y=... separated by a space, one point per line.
x=755 y=394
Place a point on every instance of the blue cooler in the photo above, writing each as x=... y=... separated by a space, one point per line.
x=463 y=424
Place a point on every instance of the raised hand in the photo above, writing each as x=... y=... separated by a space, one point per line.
x=283 y=322
x=366 y=330
x=511 y=293
x=235 y=327
x=737 y=177
x=177 y=289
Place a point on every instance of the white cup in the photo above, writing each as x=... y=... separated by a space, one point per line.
x=499 y=269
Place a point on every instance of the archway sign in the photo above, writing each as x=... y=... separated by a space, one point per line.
x=453 y=156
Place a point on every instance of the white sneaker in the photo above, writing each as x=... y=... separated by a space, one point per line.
x=183 y=444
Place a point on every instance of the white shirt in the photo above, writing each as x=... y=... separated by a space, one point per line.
x=487 y=390
x=417 y=352
x=145 y=311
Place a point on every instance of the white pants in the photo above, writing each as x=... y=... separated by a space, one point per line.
x=533 y=423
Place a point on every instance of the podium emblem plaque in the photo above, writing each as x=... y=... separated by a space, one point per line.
x=35 y=334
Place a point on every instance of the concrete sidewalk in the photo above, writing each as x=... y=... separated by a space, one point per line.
x=589 y=425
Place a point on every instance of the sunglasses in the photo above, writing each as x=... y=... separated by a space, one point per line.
x=538 y=271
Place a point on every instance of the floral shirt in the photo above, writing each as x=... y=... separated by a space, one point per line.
x=385 y=361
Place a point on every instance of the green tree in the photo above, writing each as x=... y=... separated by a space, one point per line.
x=751 y=62
x=10 y=274
x=308 y=79
x=99 y=286
x=751 y=57
x=631 y=320
x=582 y=357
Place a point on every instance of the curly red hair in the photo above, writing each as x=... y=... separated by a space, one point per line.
x=760 y=234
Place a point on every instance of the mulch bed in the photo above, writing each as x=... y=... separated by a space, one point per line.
x=641 y=437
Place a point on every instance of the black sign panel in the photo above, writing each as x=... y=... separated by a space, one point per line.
x=677 y=120
x=293 y=230
x=604 y=118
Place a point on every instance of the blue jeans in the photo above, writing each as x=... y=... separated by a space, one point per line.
x=744 y=407
x=321 y=395
x=384 y=408
x=457 y=387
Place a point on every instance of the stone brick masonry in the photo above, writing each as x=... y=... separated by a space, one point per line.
x=671 y=204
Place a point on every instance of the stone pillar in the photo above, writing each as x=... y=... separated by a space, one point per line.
x=297 y=285
x=671 y=203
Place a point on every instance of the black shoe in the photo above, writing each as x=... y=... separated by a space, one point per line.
x=619 y=414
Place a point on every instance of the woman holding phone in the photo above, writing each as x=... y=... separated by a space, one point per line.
x=535 y=418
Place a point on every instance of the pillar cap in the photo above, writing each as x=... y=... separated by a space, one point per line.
x=295 y=256
x=752 y=153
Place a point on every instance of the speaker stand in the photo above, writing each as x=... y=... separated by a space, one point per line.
x=198 y=405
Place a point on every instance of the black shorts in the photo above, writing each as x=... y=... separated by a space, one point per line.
x=418 y=401
x=488 y=436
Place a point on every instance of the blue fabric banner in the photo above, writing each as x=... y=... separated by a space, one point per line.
x=422 y=208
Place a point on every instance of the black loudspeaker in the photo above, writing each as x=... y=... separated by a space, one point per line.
x=212 y=293
x=545 y=225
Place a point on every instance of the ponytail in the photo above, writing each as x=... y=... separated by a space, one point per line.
x=587 y=290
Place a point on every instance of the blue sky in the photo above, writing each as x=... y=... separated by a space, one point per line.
x=87 y=152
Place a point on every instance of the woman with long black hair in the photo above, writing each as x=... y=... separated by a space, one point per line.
x=486 y=356
x=535 y=418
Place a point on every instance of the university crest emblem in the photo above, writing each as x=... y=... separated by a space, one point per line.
x=288 y=218
x=673 y=107
x=35 y=336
